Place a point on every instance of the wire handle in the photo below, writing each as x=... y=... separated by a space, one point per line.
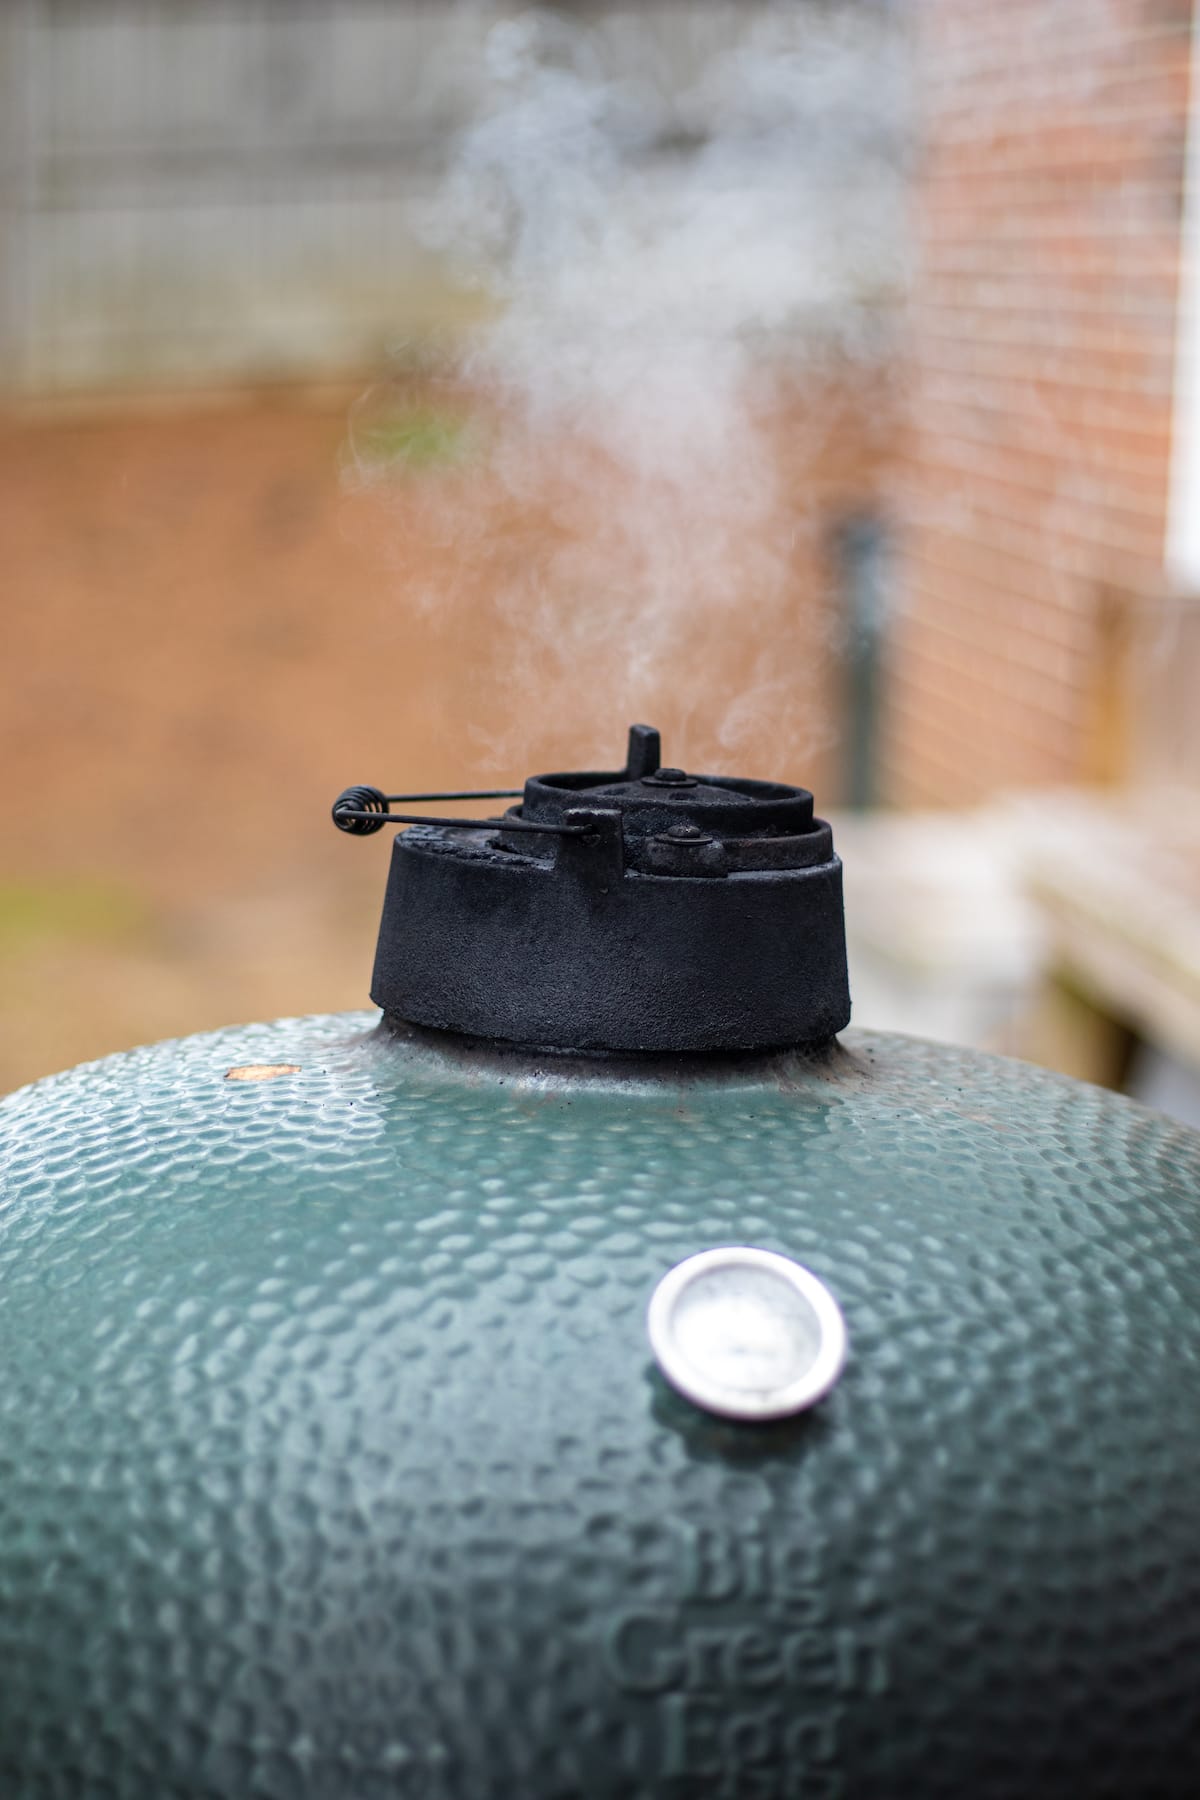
x=362 y=811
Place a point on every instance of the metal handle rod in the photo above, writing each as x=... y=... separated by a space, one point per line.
x=466 y=794
x=379 y=820
x=362 y=811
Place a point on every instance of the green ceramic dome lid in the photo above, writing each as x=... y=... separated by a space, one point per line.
x=335 y=1462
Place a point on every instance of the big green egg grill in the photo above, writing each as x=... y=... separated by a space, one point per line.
x=598 y=1372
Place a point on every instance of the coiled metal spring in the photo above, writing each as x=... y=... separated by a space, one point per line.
x=361 y=811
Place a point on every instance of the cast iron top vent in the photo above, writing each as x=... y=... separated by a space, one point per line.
x=641 y=909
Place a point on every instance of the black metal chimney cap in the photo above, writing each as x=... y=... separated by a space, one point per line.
x=650 y=911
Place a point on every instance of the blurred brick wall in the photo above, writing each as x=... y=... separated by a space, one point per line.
x=1035 y=486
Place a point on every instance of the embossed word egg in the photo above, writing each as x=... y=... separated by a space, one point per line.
x=336 y=1458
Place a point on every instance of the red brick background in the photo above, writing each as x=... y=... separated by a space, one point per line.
x=1034 y=490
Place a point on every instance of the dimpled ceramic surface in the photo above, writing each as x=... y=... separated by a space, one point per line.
x=333 y=1461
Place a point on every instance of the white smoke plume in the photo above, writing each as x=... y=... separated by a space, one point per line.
x=688 y=224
